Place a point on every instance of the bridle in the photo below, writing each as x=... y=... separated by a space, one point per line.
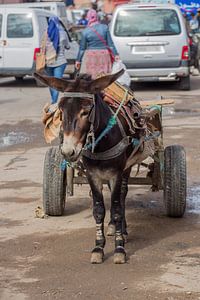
x=90 y=140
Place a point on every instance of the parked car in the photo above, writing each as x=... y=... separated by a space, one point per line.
x=152 y=42
x=21 y=31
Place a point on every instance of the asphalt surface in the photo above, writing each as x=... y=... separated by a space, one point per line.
x=50 y=258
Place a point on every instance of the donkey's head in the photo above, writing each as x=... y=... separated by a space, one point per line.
x=76 y=107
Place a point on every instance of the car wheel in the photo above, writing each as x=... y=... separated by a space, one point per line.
x=184 y=83
x=19 y=78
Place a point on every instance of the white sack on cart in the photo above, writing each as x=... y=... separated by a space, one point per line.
x=125 y=78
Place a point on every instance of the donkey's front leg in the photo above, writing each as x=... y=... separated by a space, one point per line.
x=99 y=215
x=117 y=216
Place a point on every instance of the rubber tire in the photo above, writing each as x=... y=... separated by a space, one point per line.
x=19 y=78
x=184 y=83
x=175 y=181
x=54 y=183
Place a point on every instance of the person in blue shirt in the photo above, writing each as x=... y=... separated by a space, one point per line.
x=83 y=21
x=96 y=47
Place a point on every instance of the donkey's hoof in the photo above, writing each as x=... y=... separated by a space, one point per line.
x=97 y=256
x=120 y=256
x=111 y=230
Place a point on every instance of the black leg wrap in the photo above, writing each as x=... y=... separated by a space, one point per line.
x=119 y=240
x=100 y=243
x=120 y=249
x=97 y=249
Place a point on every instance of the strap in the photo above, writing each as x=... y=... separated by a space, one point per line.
x=101 y=38
x=78 y=95
x=113 y=152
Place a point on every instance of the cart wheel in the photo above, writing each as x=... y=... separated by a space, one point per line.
x=54 y=183
x=175 y=180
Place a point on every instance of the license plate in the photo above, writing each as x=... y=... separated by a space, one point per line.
x=145 y=49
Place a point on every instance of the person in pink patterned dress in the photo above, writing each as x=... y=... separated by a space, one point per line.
x=97 y=47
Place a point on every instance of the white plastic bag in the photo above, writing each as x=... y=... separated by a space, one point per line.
x=125 y=78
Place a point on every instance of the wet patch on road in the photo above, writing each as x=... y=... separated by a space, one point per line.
x=24 y=134
x=13 y=138
x=193 y=200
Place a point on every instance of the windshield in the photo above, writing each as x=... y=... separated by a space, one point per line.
x=146 y=22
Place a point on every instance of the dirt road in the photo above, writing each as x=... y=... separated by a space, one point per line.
x=49 y=258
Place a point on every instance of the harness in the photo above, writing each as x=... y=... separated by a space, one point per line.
x=127 y=140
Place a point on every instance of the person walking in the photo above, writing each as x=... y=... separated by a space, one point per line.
x=194 y=25
x=57 y=43
x=83 y=21
x=97 y=47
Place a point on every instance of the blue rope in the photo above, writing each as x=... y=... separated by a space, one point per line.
x=154 y=135
x=64 y=164
x=156 y=106
x=111 y=122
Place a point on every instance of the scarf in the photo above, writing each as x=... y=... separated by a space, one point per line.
x=53 y=32
x=92 y=17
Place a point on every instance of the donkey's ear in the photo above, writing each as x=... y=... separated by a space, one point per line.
x=101 y=83
x=60 y=85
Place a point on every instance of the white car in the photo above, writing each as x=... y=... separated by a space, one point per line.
x=21 y=31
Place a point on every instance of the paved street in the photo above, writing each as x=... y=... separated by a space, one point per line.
x=50 y=258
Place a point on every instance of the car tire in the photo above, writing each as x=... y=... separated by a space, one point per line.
x=184 y=83
x=19 y=78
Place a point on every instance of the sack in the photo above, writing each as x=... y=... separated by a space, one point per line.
x=125 y=78
x=40 y=56
x=40 y=61
x=116 y=92
x=112 y=56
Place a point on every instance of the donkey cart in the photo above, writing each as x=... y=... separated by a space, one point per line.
x=165 y=171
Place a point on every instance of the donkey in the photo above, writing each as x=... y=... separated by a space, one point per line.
x=84 y=117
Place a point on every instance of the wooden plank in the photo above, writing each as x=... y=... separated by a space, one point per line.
x=131 y=181
x=145 y=103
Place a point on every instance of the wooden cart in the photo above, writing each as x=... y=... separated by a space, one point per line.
x=167 y=172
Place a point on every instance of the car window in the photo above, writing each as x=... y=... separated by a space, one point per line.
x=147 y=22
x=19 y=26
x=1 y=19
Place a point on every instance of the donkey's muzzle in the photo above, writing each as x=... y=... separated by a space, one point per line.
x=70 y=153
